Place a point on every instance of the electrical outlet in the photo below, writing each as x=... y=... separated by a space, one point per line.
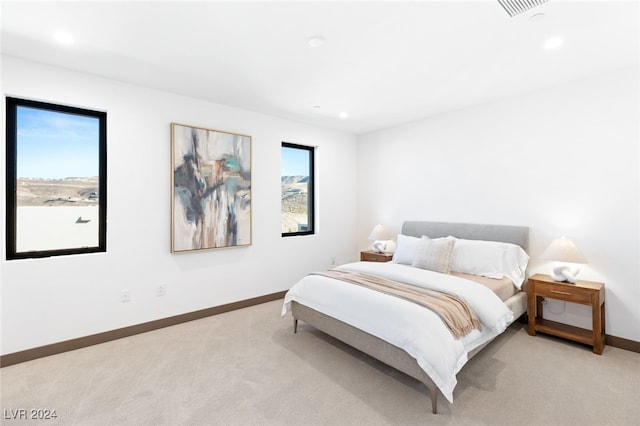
x=125 y=296
x=161 y=290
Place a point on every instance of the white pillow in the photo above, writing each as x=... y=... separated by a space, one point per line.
x=490 y=259
x=478 y=257
x=434 y=255
x=515 y=263
x=406 y=249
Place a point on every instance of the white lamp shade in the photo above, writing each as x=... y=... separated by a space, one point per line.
x=377 y=233
x=563 y=250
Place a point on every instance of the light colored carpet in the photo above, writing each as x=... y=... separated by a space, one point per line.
x=248 y=368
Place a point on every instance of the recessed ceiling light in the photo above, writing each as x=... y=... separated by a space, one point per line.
x=553 y=43
x=316 y=41
x=536 y=17
x=343 y=115
x=64 y=37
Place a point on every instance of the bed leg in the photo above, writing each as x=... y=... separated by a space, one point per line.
x=434 y=399
x=295 y=325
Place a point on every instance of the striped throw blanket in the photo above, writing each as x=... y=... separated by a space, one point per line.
x=456 y=314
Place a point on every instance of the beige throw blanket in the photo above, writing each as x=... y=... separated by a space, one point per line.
x=454 y=312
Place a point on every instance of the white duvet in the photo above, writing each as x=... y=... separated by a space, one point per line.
x=417 y=330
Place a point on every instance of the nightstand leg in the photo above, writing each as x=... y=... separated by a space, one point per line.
x=598 y=328
x=602 y=320
x=539 y=300
x=531 y=314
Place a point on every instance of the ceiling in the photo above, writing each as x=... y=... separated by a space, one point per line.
x=383 y=63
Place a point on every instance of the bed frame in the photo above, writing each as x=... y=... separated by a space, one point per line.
x=390 y=354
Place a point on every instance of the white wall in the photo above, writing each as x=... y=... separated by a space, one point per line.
x=50 y=300
x=563 y=161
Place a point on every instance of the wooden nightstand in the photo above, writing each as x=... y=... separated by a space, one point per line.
x=371 y=256
x=584 y=292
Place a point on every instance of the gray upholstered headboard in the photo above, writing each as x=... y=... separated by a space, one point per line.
x=470 y=231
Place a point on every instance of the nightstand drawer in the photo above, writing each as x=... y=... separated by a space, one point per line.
x=564 y=292
x=371 y=256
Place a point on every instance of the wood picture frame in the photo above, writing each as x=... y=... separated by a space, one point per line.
x=210 y=189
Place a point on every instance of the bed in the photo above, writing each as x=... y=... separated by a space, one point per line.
x=402 y=334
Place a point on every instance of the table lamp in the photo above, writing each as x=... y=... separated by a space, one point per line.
x=378 y=235
x=563 y=250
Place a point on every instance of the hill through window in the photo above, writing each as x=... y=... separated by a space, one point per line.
x=297 y=189
x=56 y=179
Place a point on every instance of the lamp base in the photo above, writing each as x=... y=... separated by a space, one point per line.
x=564 y=273
x=382 y=246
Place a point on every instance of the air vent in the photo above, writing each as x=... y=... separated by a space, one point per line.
x=516 y=7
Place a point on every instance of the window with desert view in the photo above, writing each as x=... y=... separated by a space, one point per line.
x=55 y=179
x=297 y=189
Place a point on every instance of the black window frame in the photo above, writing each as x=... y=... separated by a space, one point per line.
x=12 y=105
x=310 y=190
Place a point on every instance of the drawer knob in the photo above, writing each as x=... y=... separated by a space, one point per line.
x=561 y=292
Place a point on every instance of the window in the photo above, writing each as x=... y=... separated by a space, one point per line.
x=56 y=180
x=297 y=176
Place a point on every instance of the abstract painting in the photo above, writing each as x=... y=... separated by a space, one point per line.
x=211 y=189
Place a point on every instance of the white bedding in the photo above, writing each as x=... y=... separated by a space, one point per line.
x=417 y=330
